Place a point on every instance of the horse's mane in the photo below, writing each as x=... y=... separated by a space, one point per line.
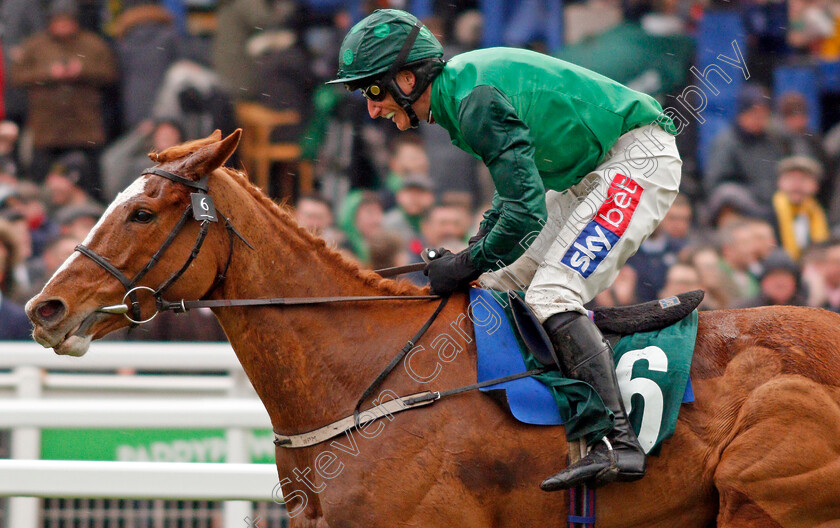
x=307 y=240
x=283 y=213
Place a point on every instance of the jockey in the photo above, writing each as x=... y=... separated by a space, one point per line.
x=584 y=169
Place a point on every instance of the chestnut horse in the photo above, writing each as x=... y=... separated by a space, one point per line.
x=758 y=448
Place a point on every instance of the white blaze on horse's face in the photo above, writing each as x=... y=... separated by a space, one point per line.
x=137 y=188
x=77 y=345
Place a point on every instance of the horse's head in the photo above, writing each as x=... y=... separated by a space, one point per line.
x=142 y=243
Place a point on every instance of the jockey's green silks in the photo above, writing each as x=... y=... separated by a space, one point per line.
x=538 y=123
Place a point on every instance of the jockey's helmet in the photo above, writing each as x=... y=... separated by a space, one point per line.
x=380 y=46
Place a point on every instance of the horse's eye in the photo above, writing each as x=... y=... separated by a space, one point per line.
x=142 y=216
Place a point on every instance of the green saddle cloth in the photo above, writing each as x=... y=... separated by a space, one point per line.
x=653 y=374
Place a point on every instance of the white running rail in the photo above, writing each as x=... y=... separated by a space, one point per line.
x=32 y=397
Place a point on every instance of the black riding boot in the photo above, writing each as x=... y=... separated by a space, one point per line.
x=584 y=354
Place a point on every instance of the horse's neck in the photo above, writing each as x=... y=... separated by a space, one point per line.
x=308 y=364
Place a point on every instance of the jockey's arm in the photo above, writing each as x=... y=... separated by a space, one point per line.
x=492 y=129
x=491 y=216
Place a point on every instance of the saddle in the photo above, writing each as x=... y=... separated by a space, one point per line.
x=614 y=322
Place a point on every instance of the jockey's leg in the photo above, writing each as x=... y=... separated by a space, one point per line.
x=518 y=275
x=585 y=355
x=625 y=199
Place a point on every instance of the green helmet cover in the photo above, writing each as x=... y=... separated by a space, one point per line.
x=372 y=45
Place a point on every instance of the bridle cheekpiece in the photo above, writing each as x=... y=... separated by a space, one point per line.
x=202 y=209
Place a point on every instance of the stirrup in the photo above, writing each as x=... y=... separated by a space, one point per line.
x=609 y=473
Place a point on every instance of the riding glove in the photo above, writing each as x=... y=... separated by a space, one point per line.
x=450 y=271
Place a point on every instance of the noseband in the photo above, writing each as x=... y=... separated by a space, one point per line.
x=205 y=218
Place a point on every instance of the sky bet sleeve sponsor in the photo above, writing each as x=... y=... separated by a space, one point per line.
x=609 y=224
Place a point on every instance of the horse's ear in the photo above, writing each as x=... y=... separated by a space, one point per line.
x=210 y=157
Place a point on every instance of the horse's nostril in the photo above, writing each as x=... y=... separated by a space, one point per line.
x=51 y=310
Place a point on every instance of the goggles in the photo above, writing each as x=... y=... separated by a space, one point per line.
x=375 y=92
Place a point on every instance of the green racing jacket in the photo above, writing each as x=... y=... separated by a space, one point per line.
x=537 y=123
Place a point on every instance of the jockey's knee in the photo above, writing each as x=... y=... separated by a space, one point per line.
x=516 y=277
x=546 y=302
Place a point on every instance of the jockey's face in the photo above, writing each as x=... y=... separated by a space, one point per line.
x=388 y=107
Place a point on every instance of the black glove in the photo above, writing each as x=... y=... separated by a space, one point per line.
x=450 y=271
x=478 y=236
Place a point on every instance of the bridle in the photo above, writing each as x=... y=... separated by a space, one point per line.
x=202 y=200
x=206 y=215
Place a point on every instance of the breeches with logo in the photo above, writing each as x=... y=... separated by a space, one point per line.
x=596 y=225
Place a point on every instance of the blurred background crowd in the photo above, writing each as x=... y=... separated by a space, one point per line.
x=89 y=87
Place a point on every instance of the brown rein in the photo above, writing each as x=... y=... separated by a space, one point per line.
x=184 y=305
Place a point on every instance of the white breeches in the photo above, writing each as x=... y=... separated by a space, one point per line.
x=596 y=225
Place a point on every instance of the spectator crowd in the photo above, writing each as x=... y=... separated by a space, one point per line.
x=90 y=87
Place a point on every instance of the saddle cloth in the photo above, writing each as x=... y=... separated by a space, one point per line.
x=652 y=368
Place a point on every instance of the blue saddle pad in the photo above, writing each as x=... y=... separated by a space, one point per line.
x=499 y=355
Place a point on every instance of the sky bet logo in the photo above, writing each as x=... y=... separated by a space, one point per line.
x=601 y=234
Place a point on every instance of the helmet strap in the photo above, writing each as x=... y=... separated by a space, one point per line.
x=390 y=77
x=424 y=73
x=405 y=101
x=399 y=62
